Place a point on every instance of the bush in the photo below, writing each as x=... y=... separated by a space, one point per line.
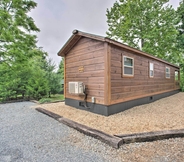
x=182 y=82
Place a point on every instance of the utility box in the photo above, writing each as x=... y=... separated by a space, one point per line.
x=76 y=88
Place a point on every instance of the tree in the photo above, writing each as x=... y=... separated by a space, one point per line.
x=25 y=79
x=61 y=68
x=148 y=25
x=15 y=29
x=180 y=40
x=54 y=79
x=8 y=83
x=37 y=83
x=180 y=12
x=19 y=75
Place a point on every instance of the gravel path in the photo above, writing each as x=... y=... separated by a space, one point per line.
x=29 y=136
x=26 y=136
x=163 y=114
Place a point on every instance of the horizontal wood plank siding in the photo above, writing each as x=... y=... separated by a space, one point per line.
x=88 y=54
x=107 y=74
x=140 y=85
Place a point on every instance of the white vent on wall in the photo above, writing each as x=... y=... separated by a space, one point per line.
x=76 y=88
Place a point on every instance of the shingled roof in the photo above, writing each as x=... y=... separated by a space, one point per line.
x=77 y=35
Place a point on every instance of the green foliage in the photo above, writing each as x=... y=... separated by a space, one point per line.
x=61 y=68
x=54 y=79
x=24 y=69
x=55 y=83
x=22 y=80
x=16 y=45
x=45 y=100
x=182 y=82
x=53 y=98
x=180 y=40
x=15 y=26
x=182 y=77
x=35 y=79
x=148 y=25
x=37 y=83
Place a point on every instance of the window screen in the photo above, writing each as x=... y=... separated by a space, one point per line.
x=167 y=72
x=128 y=66
x=151 y=69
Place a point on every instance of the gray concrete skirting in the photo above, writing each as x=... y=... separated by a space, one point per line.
x=117 y=140
x=116 y=108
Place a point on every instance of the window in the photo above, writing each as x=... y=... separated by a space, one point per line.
x=128 y=66
x=167 y=72
x=176 y=76
x=151 y=70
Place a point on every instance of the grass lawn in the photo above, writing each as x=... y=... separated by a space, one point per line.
x=53 y=98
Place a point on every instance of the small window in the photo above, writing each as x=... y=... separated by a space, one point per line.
x=176 y=76
x=151 y=70
x=167 y=72
x=128 y=66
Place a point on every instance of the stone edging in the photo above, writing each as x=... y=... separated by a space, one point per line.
x=117 y=140
x=34 y=101
x=14 y=101
x=151 y=136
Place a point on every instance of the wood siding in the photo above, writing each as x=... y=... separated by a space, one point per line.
x=140 y=85
x=107 y=74
x=88 y=54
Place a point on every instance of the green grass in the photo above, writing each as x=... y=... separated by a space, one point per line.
x=53 y=98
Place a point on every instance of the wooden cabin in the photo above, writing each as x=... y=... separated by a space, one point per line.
x=116 y=77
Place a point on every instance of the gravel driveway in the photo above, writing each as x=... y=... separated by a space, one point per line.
x=27 y=136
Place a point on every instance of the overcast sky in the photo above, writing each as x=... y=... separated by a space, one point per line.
x=58 y=18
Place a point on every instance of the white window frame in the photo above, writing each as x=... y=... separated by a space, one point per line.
x=151 y=76
x=169 y=72
x=128 y=75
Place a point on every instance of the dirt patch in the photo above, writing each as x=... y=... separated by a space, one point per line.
x=164 y=114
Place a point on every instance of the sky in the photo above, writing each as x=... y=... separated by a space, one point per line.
x=57 y=19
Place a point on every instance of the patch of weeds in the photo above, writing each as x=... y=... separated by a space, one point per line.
x=45 y=100
x=53 y=98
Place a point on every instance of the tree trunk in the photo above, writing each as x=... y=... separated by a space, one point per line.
x=142 y=43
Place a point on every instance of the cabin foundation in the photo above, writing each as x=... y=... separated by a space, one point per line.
x=116 y=108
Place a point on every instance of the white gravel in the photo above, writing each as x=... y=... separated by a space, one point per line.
x=29 y=136
x=164 y=114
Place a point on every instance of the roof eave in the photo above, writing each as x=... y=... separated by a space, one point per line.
x=110 y=41
x=74 y=39
x=68 y=45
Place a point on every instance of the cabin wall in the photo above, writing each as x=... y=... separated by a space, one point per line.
x=140 y=85
x=85 y=63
